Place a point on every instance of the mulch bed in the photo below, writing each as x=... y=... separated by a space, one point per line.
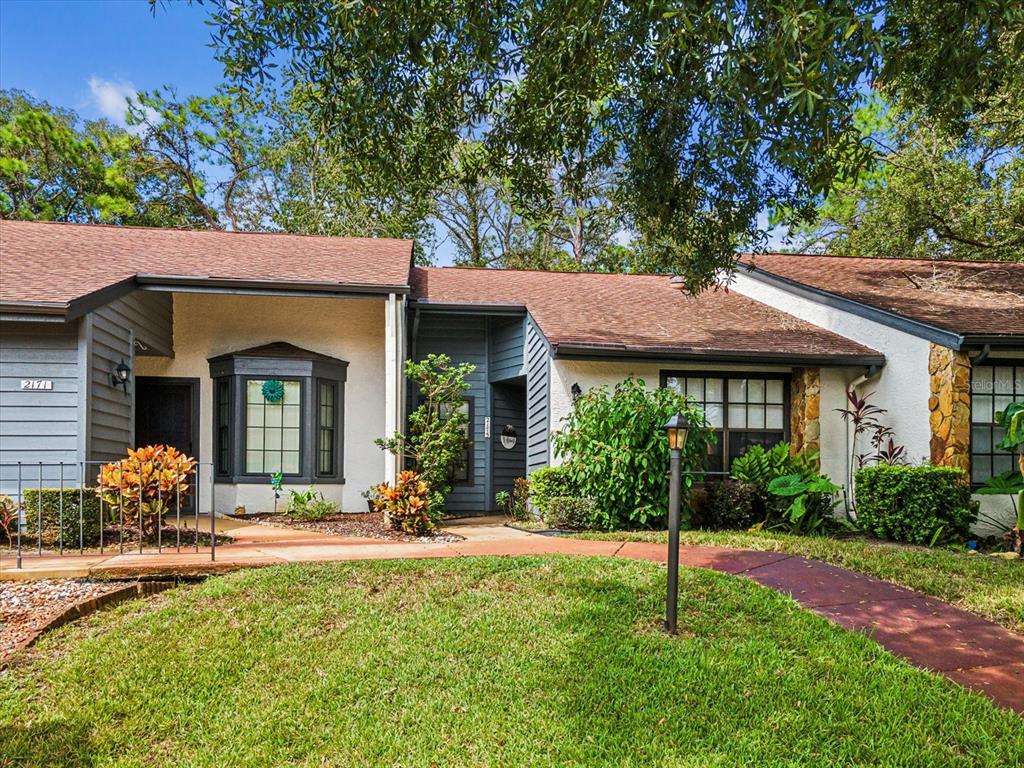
x=28 y=606
x=363 y=525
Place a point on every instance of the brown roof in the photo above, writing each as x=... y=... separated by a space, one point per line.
x=638 y=314
x=963 y=297
x=57 y=264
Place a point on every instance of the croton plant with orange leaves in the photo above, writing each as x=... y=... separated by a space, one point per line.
x=154 y=475
x=406 y=504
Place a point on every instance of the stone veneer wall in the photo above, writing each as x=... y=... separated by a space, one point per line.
x=805 y=409
x=949 y=407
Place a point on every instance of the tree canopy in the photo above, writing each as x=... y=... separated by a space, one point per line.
x=931 y=194
x=700 y=115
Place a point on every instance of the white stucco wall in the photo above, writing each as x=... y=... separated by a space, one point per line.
x=902 y=386
x=206 y=325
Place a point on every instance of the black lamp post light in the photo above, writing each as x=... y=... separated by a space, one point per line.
x=678 y=429
x=119 y=376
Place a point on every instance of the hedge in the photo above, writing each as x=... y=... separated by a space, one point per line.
x=918 y=505
x=571 y=512
x=52 y=516
x=547 y=483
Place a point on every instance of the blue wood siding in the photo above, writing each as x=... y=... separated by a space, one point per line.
x=507 y=358
x=43 y=425
x=508 y=406
x=538 y=453
x=137 y=323
x=464 y=340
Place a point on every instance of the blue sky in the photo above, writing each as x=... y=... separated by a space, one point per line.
x=88 y=54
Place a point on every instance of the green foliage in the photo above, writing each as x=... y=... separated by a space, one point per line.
x=435 y=440
x=1011 y=419
x=613 y=445
x=309 y=505
x=808 y=496
x=918 y=505
x=733 y=504
x=53 y=531
x=931 y=192
x=700 y=115
x=574 y=513
x=515 y=502
x=1009 y=483
x=183 y=163
x=548 y=482
x=802 y=499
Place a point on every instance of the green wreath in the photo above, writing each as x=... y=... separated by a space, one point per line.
x=273 y=391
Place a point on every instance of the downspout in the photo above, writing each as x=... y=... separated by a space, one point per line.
x=871 y=372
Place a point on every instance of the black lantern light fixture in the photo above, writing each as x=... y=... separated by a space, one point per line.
x=678 y=429
x=119 y=376
x=576 y=391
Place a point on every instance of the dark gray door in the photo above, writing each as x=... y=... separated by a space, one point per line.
x=508 y=435
x=167 y=412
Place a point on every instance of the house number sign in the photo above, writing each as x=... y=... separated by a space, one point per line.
x=35 y=384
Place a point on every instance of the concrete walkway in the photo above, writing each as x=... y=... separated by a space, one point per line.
x=931 y=634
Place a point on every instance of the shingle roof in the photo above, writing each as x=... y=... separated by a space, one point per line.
x=638 y=314
x=54 y=263
x=963 y=297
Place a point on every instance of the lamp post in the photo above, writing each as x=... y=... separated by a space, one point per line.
x=678 y=428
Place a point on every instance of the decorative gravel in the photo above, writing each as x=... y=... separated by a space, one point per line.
x=363 y=525
x=26 y=606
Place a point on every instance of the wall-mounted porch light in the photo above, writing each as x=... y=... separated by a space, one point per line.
x=119 y=376
x=576 y=391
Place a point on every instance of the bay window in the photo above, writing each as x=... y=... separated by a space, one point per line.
x=278 y=408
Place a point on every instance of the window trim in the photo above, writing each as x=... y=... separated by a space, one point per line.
x=309 y=369
x=787 y=401
x=1013 y=363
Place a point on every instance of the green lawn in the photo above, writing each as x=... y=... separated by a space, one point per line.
x=989 y=586
x=477 y=662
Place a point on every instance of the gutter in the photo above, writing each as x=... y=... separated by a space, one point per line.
x=469 y=308
x=583 y=351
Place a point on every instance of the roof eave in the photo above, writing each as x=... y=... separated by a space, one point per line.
x=624 y=351
x=933 y=333
x=211 y=284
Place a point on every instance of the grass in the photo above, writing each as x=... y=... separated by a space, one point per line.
x=988 y=586
x=477 y=662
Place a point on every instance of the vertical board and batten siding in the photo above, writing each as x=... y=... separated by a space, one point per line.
x=506 y=356
x=38 y=425
x=143 y=317
x=538 y=356
x=508 y=406
x=464 y=340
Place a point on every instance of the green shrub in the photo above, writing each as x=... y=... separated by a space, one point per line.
x=52 y=530
x=732 y=504
x=570 y=512
x=761 y=466
x=614 y=446
x=548 y=482
x=310 y=505
x=515 y=503
x=918 y=505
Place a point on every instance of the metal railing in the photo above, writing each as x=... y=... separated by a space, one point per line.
x=18 y=479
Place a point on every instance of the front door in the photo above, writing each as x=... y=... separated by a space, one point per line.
x=167 y=412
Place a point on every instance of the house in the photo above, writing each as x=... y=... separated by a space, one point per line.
x=196 y=323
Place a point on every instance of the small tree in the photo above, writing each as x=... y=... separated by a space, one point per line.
x=615 y=448
x=435 y=440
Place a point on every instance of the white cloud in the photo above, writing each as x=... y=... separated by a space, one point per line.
x=111 y=98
